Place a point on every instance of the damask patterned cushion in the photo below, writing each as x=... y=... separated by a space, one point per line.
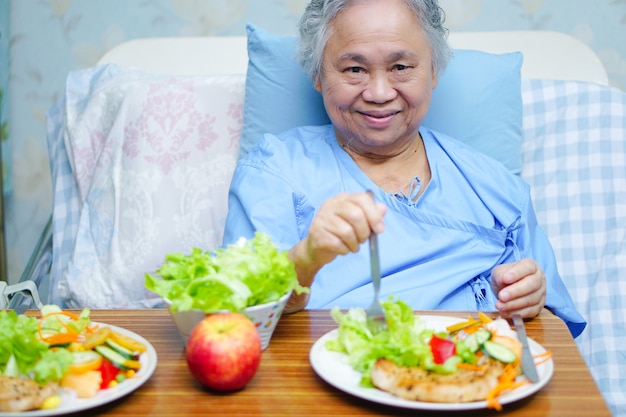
x=151 y=157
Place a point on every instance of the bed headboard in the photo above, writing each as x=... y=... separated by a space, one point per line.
x=547 y=54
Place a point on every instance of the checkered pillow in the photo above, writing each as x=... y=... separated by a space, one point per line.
x=574 y=157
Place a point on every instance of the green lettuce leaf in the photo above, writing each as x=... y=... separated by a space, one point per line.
x=405 y=341
x=23 y=354
x=247 y=273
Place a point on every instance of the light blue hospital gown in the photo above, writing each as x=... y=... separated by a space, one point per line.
x=436 y=253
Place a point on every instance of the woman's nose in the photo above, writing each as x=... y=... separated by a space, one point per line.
x=379 y=89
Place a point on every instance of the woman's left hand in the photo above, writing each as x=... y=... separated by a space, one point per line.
x=520 y=288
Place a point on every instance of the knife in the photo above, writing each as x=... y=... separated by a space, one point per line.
x=528 y=363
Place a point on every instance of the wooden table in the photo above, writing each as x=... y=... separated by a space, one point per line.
x=286 y=385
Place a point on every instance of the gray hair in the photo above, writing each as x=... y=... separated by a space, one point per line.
x=314 y=28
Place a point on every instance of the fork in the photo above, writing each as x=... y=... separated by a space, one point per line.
x=375 y=313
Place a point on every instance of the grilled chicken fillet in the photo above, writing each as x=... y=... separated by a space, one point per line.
x=21 y=394
x=416 y=384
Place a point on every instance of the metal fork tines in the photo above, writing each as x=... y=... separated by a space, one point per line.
x=375 y=312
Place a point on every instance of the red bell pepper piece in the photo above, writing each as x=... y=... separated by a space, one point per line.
x=109 y=373
x=442 y=349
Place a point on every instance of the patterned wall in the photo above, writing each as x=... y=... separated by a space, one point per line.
x=48 y=38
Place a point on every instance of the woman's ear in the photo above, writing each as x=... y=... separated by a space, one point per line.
x=435 y=78
x=318 y=84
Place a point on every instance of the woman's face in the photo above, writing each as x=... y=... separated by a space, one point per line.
x=377 y=76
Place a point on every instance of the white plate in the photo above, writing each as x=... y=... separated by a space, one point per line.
x=148 y=360
x=332 y=367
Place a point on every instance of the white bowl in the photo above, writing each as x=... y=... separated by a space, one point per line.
x=264 y=316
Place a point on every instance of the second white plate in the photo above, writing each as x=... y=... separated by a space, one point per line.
x=332 y=367
x=148 y=360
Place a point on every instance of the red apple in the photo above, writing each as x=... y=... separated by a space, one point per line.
x=224 y=351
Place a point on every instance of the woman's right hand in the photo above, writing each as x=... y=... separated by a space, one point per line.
x=341 y=225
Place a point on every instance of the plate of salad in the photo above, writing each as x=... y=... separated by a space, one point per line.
x=89 y=363
x=345 y=357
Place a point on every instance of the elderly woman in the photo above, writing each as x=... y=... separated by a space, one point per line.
x=457 y=230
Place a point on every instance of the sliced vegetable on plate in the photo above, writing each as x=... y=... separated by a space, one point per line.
x=46 y=358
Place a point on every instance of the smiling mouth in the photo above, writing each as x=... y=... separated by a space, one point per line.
x=379 y=120
x=380 y=115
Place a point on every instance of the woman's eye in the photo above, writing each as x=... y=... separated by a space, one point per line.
x=400 y=67
x=355 y=70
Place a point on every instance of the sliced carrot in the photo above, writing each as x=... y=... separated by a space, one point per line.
x=470 y=367
x=60 y=313
x=506 y=382
x=91 y=329
x=59 y=338
x=542 y=357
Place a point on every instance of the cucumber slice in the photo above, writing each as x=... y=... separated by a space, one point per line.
x=116 y=359
x=472 y=343
x=127 y=353
x=476 y=340
x=482 y=335
x=499 y=352
x=85 y=356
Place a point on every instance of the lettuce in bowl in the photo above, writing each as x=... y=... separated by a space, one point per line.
x=247 y=273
